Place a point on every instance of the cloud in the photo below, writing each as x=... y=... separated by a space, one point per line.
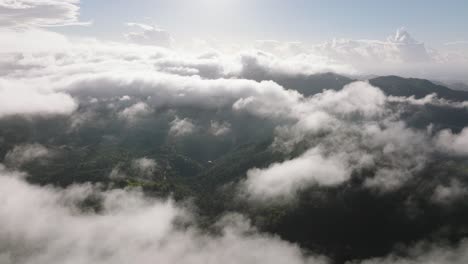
x=128 y=228
x=19 y=100
x=356 y=98
x=395 y=50
x=286 y=178
x=15 y=42
x=149 y=35
x=285 y=49
x=425 y=252
x=400 y=55
x=355 y=127
x=181 y=127
x=430 y=99
x=219 y=129
x=125 y=98
x=326 y=138
x=258 y=64
x=344 y=121
x=25 y=153
x=135 y=111
x=444 y=194
x=39 y=13
x=117 y=174
x=402 y=152
x=145 y=166
x=453 y=143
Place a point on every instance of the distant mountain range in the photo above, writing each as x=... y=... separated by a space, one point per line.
x=390 y=85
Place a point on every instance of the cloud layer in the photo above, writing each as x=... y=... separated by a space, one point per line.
x=128 y=228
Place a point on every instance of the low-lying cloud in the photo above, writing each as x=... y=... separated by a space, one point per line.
x=285 y=179
x=128 y=228
x=25 y=153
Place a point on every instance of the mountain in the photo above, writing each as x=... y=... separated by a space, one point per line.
x=458 y=86
x=419 y=88
x=315 y=83
x=391 y=85
x=305 y=84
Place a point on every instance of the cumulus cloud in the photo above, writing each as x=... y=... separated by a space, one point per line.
x=149 y=35
x=453 y=143
x=181 y=127
x=286 y=178
x=355 y=98
x=128 y=228
x=131 y=113
x=18 y=100
x=258 y=64
x=401 y=47
x=402 y=153
x=354 y=124
x=400 y=54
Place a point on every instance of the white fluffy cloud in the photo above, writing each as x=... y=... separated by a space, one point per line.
x=286 y=178
x=453 y=143
x=17 y=100
x=131 y=113
x=258 y=63
x=181 y=127
x=399 y=54
x=129 y=228
x=354 y=128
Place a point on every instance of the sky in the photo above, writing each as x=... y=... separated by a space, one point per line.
x=435 y=22
x=423 y=39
